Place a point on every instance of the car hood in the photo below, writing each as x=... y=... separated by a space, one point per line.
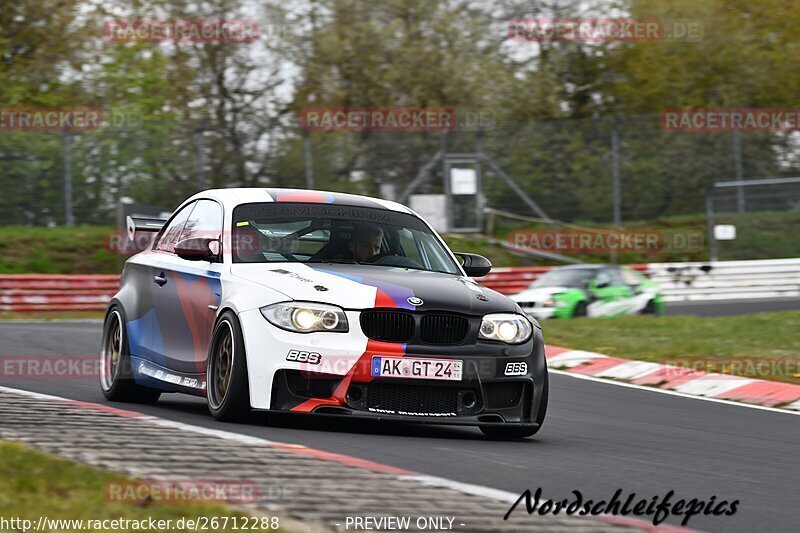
x=539 y=294
x=366 y=287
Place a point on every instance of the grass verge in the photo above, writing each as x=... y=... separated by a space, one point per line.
x=34 y=484
x=88 y=249
x=761 y=345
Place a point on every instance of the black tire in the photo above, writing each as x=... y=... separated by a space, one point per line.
x=227 y=385
x=580 y=310
x=516 y=433
x=116 y=373
x=650 y=308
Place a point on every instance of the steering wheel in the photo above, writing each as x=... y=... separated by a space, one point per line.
x=376 y=258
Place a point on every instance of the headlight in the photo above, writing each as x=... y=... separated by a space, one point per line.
x=305 y=317
x=505 y=327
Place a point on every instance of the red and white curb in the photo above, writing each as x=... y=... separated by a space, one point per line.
x=677 y=379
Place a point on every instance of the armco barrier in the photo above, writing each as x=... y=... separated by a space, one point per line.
x=719 y=280
x=727 y=280
x=56 y=292
x=678 y=281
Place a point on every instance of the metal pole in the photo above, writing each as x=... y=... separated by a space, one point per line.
x=422 y=175
x=201 y=163
x=448 y=201
x=307 y=161
x=516 y=188
x=68 y=215
x=712 y=242
x=737 y=163
x=615 y=173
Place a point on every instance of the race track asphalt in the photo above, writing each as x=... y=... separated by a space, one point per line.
x=598 y=437
x=733 y=307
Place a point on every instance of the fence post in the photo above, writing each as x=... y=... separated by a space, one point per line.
x=712 y=242
x=448 y=195
x=201 y=163
x=615 y=174
x=737 y=163
x=66 y=142
x=307 y=160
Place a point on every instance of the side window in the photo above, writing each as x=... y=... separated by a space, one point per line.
x=631 y=277
x=409 y=245
x=205 y=221
x=603 y=279
x=168 y=238
x=616 y=277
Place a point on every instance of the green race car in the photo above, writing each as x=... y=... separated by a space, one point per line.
x=591 y=291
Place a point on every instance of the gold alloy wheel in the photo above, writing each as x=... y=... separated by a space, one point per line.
x=112 y=350
x=221 y=367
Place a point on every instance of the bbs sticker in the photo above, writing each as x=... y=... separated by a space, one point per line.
x=516 y=369
x=312 y=358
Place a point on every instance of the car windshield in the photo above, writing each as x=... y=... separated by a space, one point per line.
x=567 y=277
x=313 y=233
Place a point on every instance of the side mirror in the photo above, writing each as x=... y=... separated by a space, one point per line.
x=601 y=284
x=198 y=249
x=474 y=265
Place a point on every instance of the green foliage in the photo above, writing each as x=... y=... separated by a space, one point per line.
x=553 y=104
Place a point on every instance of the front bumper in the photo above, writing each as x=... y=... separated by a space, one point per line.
x=485 y=395
x=340 y=380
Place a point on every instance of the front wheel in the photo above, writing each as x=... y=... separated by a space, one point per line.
x=116 y=373
x=581 y=310
x=227 y=385
x=651 y=309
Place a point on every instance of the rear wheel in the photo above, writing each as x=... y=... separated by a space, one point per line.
x=515 y=433
x=227 y=386
x=116 y=373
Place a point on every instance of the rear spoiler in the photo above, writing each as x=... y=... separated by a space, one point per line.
x=141 y=224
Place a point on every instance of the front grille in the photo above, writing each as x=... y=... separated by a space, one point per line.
x=414 y=399
x=443 y=329
x=387 y=326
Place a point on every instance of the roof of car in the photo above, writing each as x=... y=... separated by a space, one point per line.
x=241 y=195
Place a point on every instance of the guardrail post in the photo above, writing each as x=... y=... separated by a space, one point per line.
x=712 y=242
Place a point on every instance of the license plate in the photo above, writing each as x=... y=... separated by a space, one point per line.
x=415 y=368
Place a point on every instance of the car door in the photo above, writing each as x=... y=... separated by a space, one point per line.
x=145 y=337
x=612 y=296
x=187 y=293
